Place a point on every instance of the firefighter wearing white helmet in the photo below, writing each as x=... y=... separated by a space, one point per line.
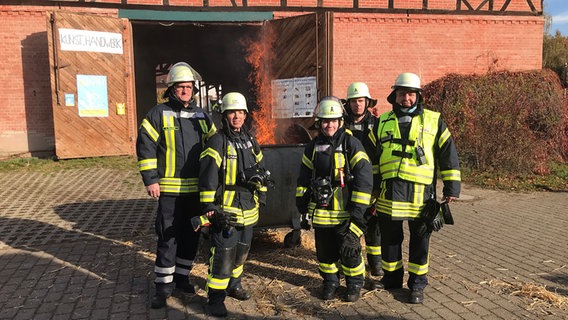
x=333 y=190
x=360 y=121
x=168 y=147
x=413 y=144
x=232 y=185
x=233 y=101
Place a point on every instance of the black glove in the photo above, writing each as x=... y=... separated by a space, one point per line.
x=350 y=245
x=222 y=220
x=432 y=215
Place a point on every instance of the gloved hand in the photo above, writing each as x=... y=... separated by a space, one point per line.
x=350 y=245
x=432 y=215
x=222 y=220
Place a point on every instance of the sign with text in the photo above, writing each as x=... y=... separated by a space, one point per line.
x=294 y=98
x=90 y=41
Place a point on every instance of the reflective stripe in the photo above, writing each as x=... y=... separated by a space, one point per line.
x=210 y=152
x=328 y=268
x=165 y=279
x=352 y=272
x=232 y=165
x=178 y=185
x=392 y=266
x=169 y=135
x=418 y=269
x=373 y=250
x=185 y=262
x=154 y=135
x=207 y=196
x=444 y=137
x=164 y=270
x=148 y=164
x=397 y=209
x=451 y=175
x=361 y=197
x=358 y=157
x=300 y=191
x=237 y=271
x=217 y=283
x=307 y=162
x=355 y=229
x=325 y=218
x=243 y=217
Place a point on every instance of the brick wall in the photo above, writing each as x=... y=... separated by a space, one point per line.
x=366 y=47
x=376 y=48
x=26 y=121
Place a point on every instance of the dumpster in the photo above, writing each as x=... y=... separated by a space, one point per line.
x=283 y=162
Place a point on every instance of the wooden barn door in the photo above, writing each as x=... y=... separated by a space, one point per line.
x=90 y=71
x=304 y=48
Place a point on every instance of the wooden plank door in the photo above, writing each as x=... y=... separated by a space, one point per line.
x=89 y=62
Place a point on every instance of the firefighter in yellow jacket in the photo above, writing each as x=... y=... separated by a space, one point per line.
x=170 y=140
x=413 y=143
x=333 y=191
x=232 y=185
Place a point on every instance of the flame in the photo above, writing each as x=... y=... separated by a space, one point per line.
x=260 y=57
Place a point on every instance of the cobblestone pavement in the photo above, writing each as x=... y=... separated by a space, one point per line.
x=79 y=244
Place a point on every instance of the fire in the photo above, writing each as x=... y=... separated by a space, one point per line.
x=260 y=57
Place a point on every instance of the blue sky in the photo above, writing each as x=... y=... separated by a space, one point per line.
x=558 y=9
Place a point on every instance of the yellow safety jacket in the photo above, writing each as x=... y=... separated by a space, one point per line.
x=221 y=179
x=405 y=164
x=170 y=140
x=405 y=179
x=334 y=158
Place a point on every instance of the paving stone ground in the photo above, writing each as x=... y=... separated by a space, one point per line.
x=79 y=244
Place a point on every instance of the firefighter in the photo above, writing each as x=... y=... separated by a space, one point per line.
x=333 y=191
x=360 y=121
x=233 y=185
x=168 y=146
x=412 y=144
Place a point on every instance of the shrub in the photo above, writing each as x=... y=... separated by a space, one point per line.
x=511 y=122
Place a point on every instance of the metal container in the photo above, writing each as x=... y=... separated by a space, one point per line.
x=283 y=162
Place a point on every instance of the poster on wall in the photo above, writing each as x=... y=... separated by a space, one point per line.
x=92 y=96
x=294 y=98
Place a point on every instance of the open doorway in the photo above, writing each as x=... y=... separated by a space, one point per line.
x=216 y=50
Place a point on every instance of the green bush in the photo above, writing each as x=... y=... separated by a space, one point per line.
x=509 y=122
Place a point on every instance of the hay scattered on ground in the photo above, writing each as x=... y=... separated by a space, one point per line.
x=539 y=295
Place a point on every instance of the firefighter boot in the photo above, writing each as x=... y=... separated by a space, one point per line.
x=216 y=302
x=236 y=290
x=163 y=291
x=353 y=292
x=328 y=291
x=416 y=296
x=183 y=284
x=376 y=269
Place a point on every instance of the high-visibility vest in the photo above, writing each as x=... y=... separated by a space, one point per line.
x=396 y=162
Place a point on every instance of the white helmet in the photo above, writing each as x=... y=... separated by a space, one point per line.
x=329 y=107
x=234 y=101
x=407 y=80
x=358 y=90
x=180 y=72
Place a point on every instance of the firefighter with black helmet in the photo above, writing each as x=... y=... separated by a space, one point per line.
x=168 y=146
x=413 y=143
x=333 y=191
x=232 y=185
x=361 y=121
